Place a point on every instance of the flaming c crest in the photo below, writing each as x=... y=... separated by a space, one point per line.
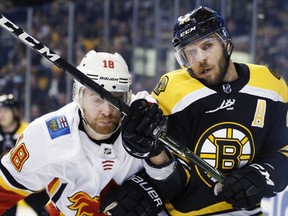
x=85 y=205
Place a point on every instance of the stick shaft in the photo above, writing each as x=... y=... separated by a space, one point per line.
x=61 y=63
x=49 y=54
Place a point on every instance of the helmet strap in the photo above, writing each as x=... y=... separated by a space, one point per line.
x=228 y=49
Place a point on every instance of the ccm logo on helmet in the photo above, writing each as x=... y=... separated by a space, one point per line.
x=187 y=31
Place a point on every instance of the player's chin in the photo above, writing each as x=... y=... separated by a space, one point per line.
x=210 y=80
x=105 y=130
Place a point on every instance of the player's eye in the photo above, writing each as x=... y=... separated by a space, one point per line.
x=207 y=46
x=98 y=101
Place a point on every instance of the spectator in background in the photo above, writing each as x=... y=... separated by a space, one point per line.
x=57 y=88
x=11 y=127
x=47 y=29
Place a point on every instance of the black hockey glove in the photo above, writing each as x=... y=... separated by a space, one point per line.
x=136 y=197
x=141 y=128
x=246 y=187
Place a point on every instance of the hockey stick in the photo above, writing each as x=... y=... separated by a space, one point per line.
x=44 y=51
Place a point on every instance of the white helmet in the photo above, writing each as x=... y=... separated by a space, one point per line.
x=108 y=70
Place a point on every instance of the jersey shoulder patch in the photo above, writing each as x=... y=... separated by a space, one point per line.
x=173 y=87
x=57 y=126
x=161 y=86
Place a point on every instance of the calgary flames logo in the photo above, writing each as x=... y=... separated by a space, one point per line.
x=85 y=205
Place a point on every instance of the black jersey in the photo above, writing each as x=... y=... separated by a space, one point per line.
x=229 y=126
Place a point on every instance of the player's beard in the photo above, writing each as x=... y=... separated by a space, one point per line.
x=104 y=130
x=218 y=78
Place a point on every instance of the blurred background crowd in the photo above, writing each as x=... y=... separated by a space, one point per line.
x=140 y=30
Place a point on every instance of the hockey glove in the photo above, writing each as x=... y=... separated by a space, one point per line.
x=245 y=188
x=136 y=197
x=141 y=128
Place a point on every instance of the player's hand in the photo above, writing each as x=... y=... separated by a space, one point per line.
x=246 y=187
x=141 y=128
x=136 y=197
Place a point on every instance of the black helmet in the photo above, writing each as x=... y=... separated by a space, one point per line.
x=198 y=23
x=7 y=100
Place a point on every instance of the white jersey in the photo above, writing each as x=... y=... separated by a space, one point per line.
x=57 y=155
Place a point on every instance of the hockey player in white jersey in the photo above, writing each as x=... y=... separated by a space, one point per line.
x=76 y=152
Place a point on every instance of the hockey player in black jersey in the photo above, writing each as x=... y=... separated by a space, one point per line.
x=233 y=115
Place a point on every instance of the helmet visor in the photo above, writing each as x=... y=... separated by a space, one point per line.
x=197 y=51
x=124 y=96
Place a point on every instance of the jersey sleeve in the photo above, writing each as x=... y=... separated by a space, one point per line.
x=9 y=196
x=171 y=178
x=275 y=152
x=24 y=169
x=275 y=147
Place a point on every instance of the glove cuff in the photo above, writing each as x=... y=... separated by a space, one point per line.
x=266 y=173
x=162 y=171
x=157 y=149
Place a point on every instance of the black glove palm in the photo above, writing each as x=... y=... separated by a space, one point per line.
x=141 y=128
x=245 y=188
